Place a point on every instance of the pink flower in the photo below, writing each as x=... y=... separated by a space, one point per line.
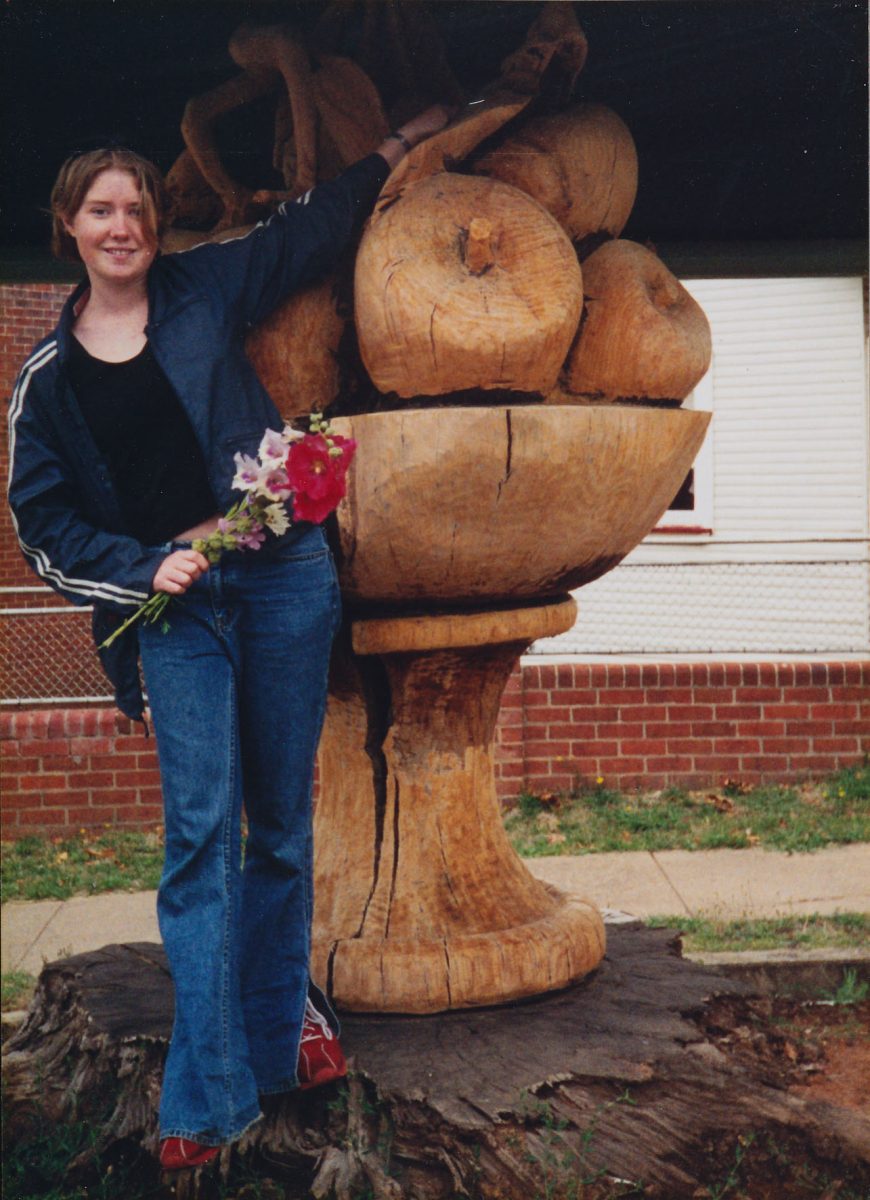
x=275 y=485
x=252 y=540
x=272 y=448
x=317 y=475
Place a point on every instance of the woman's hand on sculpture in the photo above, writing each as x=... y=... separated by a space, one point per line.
x=432 y=120
x=178 y=571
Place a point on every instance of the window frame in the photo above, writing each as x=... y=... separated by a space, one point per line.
x=699 y=521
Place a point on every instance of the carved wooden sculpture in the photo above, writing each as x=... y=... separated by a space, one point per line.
x=296 y=350
x=328 y=115
x=467 y=525
x=464 y=283
x=581 y=165
x=643 y=337
x=464 y=527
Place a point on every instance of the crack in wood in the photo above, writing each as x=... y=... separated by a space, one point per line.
x=447 y=973
x=379 y=718
x=395 y=857
x=508 y=467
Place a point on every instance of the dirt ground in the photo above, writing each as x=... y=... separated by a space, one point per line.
x=842 y=1073
x=818 y=1048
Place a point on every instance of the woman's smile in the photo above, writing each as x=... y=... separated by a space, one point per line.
x=109 y=231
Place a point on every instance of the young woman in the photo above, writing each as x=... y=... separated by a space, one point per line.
x=123 y=427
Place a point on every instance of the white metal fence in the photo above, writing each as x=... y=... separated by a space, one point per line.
x=47 y=654
x=799 y=605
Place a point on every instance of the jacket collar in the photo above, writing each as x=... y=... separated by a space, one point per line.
x=69 y=312
x=158 y=310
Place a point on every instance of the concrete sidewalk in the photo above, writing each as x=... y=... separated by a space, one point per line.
x=726 y=884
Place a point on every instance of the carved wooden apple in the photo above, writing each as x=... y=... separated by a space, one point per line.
x=643 y=336
x=463 y=283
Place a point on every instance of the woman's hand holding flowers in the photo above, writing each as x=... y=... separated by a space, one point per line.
x=178 y=571
x=305 y=472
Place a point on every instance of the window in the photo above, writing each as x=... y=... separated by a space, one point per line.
x=691 y=511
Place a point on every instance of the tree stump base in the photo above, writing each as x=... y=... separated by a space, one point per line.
x=621 y=1085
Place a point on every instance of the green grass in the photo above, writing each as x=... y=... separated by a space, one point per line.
x=804 y=817
x=845 y=931
x=16 y=989
x=599 y=818
x=852 y=990
x=36 y=868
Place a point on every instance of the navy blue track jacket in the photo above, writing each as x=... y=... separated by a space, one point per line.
x=202 y=303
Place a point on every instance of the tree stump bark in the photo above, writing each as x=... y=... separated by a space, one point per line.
x=620 y=1083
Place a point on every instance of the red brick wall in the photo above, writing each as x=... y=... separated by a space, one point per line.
x=75 y=768
x=692 y=724
x=28 y=311
x=636 y=726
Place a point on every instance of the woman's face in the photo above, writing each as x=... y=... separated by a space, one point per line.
x=112 y=240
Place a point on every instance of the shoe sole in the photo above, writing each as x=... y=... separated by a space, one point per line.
x=192 y=1165
x=327 y=1075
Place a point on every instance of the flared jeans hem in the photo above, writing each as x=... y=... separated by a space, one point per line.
x=204 y=1139
x=276 y=1089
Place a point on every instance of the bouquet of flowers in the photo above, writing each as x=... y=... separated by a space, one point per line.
x=295 y=477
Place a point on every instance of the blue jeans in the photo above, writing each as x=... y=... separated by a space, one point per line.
x=237 y=688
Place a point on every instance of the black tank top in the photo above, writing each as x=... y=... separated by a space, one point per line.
x=147 y=442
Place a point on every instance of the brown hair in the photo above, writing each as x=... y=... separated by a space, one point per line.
x=74 y=182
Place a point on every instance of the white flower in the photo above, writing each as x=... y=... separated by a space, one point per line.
x=275 y=516
x=273 y=448
x=247 y=472
x=291 y=435
x=273 y=483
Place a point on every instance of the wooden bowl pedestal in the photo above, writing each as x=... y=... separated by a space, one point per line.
x=421 y=902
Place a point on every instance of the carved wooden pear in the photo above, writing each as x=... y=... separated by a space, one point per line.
x=463 y=283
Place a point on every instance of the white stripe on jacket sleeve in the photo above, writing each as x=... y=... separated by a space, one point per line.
x=84 y=587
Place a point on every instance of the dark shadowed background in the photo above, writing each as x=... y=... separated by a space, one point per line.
x=750 y=117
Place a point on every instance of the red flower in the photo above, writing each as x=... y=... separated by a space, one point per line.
x=316 y=477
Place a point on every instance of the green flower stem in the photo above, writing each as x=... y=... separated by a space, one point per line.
x=150 y=611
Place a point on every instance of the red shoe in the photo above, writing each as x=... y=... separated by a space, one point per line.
x=320 y=1056
x=176 y=1153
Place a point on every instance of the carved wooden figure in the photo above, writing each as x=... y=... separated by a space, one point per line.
x=464 y=528
x=464 y=283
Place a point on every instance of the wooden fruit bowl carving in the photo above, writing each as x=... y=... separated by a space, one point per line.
x=476 y=506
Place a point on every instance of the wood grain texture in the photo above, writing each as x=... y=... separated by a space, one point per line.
x=295 y=351
x=619 y=1077
x=427 y=906
x=437 y=154
x=484 y=505
x=581 y=165
x=431 y=320
x=643 y=336
x=349 y=109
